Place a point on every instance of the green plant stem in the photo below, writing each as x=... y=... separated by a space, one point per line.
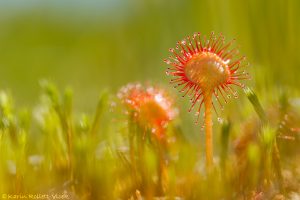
x=208 y=129
x=263 y=117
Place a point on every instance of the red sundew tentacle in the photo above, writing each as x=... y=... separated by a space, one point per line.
x=178 y=73
x=178 y=79
x=219 y=44
x=211 y=40
x=172 y=50
x=220 y=52
x=216 y=42
x=190 y=50
x=170 y=69
x=220 y=90
x=179 y=84
x=196 y=90
x=226 y=90
x=195 y=101
x=196 y=42
x=233 y=92
x=191 y=44
x=205 y=47
x=230 y=54
x=200 y=106
x=205 y=42
x=175 y=60
x=240 y=75
x=176 y=67
x=191 y=90
x=218 y=100
x=185 y=53
x=240 y=78
x=196 y=96
x=167 y=61
x=180 y=55
x=200 y=42
x=179 y=58
x=237 y=84
x=199 y=110
x=215 y=109
x=234 y=69
x=237 y=61
x=187 y=86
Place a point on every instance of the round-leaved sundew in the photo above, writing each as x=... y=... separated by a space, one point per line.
x=151 y=107
x=203 y=68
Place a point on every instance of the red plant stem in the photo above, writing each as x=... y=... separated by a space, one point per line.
x=208 y=129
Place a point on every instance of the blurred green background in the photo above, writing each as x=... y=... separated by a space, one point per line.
x=92 y=45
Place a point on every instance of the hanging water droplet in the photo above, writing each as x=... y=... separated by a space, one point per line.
x=183 y=42
x=167 y=73
x=171 y=50
x=228 y=96
x=202 y=127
